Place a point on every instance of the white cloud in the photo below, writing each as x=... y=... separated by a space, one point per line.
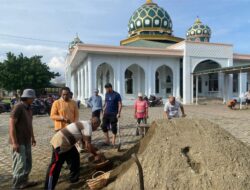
x=53 y=56
x=57 y=64
x=32 y=49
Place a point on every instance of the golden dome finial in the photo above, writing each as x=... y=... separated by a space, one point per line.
x=197 y=20
x=149 y=1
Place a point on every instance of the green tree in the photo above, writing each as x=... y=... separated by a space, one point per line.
x=20 y=72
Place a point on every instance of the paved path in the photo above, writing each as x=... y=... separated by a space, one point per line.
x=236 y=122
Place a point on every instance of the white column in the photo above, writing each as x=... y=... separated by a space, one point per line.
x=72 y=83
x=187 y=87
x=121 y=77
x=139 y=88
x=150 y=78
x=78 y=86
x=224 y=92
x=242 y=81
x=85 y=82
x=230 y=86
x=242 y=86
x=90 y=78
x=118 y=78
x=221 y=85
x=82 y=86
x=197 y=89
x=176 y=81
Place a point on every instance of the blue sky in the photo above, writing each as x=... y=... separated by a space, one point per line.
x=105 y=22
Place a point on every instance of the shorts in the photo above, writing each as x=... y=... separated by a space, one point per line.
x=141 y=120
x=248 y=101
x=96 y=113
x=107 y=121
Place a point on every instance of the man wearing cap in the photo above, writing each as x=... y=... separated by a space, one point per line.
x=21 y=139
x=95 y=102
x=172 y=107
x=141 y=109
x=112 y=111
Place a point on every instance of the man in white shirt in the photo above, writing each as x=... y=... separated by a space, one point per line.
x=63 y=143
x=172 y=107
x=247 y=96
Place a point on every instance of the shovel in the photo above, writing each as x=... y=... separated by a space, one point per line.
x=119 y=137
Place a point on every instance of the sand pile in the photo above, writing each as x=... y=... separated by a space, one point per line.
x=187 y=154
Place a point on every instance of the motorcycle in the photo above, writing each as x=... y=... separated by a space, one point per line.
x=38 y=107
x=155 y=101
x=4 y=107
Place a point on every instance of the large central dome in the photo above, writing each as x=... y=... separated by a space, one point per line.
x=150 y=26
x=150 y=19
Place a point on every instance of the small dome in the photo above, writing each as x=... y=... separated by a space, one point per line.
x=75 y=42
x=199 y=32
x=150 y=19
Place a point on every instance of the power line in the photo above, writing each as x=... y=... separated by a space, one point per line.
x=33 y=39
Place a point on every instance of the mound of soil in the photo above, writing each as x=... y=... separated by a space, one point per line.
x=187 y=154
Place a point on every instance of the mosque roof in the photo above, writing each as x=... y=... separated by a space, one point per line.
x=198 y=30
x=150 y=17
x=150 y=22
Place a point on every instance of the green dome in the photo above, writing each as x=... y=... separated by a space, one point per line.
x=150 y=19
x=75 y=42
x=199 y=32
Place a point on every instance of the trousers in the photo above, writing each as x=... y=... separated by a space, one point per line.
x=21 y=166
x=72 y=158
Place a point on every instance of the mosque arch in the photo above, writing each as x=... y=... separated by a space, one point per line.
x=134 y=79
x=104 y=74
x=164 y=81
x=208 y=85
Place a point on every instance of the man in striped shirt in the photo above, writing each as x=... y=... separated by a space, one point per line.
x=63 y=143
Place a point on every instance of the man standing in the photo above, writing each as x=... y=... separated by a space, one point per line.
x=63 y=150
x=247 y=96
x=21 y=139
x=112 y=112
x=64 y=110
x=172 y=107
x=95 y=102
x=141 y=109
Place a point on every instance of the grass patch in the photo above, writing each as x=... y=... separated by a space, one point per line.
x=6 y=100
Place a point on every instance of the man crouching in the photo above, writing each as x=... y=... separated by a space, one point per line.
x=62 y=150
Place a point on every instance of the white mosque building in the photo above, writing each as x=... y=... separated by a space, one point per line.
x=154 y=61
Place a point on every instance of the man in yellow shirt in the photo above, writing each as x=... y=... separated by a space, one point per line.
x=64 y=111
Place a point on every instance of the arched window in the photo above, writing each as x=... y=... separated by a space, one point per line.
x=101 y=83
x=108 y=77
x=213 y=79
x=157 y=82
x=168 y=79
x=128 y=82
x=213 y=82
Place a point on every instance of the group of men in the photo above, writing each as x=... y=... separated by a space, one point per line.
x=69 y=130
x=232 y=103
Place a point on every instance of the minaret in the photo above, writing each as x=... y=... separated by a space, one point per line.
x=149 y=1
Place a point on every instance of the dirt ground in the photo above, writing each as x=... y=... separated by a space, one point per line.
x=235 y=122
x=187 y=154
